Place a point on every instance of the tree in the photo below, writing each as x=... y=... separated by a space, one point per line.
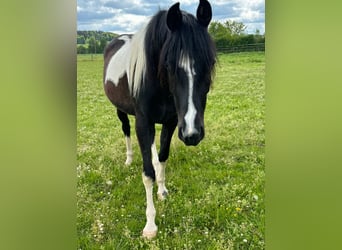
x=219 y=33
x=235 y=28
x=93 y=45
x=103 y=43
x=258 y=37
x=228 y=33
x=245 y=39
x=81 y=49
x=80 y=40
x=94 y=40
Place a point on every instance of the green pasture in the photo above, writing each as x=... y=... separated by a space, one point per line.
x=216 y=189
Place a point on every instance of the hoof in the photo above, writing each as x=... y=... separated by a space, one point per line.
x=162 y=196
x=149 y=234
x=128 y=162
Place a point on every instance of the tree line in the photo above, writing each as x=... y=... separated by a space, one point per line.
x=232 y=33
x=225 y=34
x=93 y=42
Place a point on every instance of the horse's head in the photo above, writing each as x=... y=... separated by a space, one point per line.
x=188 y=59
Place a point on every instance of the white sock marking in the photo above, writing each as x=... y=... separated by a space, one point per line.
x=190 y=115
x=129 y=151
x=159 y=168
x=162 y=191
x=150 y=229
x=155 y=158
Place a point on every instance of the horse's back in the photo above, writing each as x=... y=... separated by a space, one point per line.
x=115 y=75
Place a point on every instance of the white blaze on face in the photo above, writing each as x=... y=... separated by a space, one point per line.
x=187 y=64
x=119 y=63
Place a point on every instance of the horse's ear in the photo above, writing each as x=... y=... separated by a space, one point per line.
x=204 y=13
x=174 y=17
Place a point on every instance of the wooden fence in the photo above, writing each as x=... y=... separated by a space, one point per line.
x=242 y=48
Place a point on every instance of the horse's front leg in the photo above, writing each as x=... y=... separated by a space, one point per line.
x=145 y=133
x=165 y=140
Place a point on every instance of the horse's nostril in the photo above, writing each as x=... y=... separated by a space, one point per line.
x=192 y=138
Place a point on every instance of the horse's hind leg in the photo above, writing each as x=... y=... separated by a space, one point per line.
x=127 y=132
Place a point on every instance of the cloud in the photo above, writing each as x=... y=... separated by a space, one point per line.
x=89 y=17
x=127 y=16
x=129 y=23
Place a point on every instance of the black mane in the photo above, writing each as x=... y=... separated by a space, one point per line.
x=164 y=48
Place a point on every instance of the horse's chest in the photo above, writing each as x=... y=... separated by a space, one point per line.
x=162 y=109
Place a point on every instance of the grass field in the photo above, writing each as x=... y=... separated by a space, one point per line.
x=216 y=190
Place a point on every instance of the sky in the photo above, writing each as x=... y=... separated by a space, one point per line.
x=128 y=16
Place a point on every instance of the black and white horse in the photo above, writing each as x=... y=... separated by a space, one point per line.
x=162 y=74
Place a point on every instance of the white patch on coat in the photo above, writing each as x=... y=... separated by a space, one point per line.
x=119 y=63
x=150 y=229
x=130 y=59
x=187 y=65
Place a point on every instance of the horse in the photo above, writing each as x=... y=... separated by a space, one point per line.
x=161 y=75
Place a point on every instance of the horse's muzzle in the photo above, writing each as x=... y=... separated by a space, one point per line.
x=191 y=138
